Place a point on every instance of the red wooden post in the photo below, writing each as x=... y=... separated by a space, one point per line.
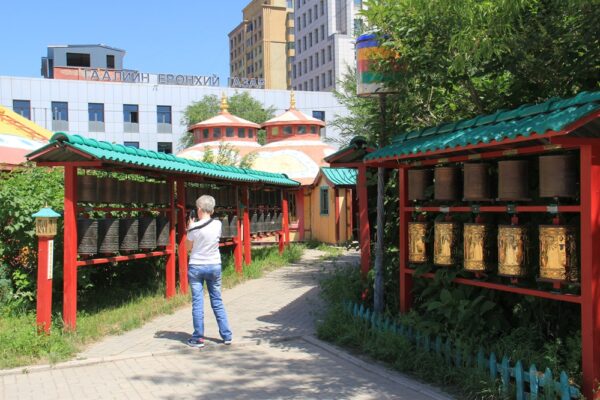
x=246 y=226
x=237 y=249
x=590 y=268
x=182 y=255
x=349 y=214
x=170 y=269
x=300 y=213
x=70 y=250
x=44 y=284
x=336 y=206
x=363 y=215
x=286 y=218
x=405 y=279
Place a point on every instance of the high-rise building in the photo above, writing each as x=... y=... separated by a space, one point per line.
x=262 y=45
x=325 y=31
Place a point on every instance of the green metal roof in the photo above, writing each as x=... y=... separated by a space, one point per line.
x=353 y=152
x=553 y=115
x=340 y=176
x=62 y=146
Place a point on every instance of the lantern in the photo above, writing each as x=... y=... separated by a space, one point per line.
x=46 y=222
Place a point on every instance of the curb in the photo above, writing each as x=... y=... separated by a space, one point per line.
x=380 y=370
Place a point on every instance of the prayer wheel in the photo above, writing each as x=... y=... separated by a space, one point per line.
x=418 y=182
x=87 y=236
x=108 y=190
x=225 y=227
x=269 y=222
x=447 y=183
x=163 y=193
x=128 y=191
x=163 y=227
x=417 y=247
x=512 y=242
x=128 y=234
x=261 y=222
x=147 y=233
x=233 y=228
x=87 y=189
x=191 y=195
x=476 y=247
x=558 y=253
x=444 y=243
x=558 y=176
x=476 y=183
x=108 y=236
x=278 y=221
x=254 y=223
x=513 y=180
x=147 y=192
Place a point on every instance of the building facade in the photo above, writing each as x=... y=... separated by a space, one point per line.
x=324 y=31
x=262 y=45
x=127 y=106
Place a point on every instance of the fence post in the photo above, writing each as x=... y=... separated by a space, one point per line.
x=493 y=367
x=519 y=378
x=565 y=393
x=548 y=384
x=448 y=351
x=480 y=360
x=534 y=387
x=505 y=374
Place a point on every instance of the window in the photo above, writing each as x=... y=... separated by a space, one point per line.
x=304 y=43
x=310 y=63
x=205 y=133
x=163 y=119
x=311 y=85
x=110 y=61
x=323 y=34
x=96 y=117
x=216 y=133
x=250 y=133
x=323 y=58
x=301 y=129
x=165 y=147
x=319 y=115
x=304 y=20
x=229 y=132
x=317 y=59
x=298 y=23
x=299 y=47
x=310 y=15
x=131 y=113
x=328 y=53
x=22 y=107
x=317 y=83
x=78 y=60
x=291 y=197
x=294 y=71
x=322 y=7
x=131 y=118
x=305 y=70
x=275 y=131
x=310 y=39
x=329 y=78
x=323 y=79
x=287 y=130
x=317 y=35
x=324 y=200
x=60 y=116
x=313 y=129
x=241 y=132
x=132 y=144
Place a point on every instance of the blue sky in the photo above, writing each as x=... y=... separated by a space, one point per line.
x=177 y=36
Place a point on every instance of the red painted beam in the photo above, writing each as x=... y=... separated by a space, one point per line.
x=300 y=212
x=507 y=288
x=70 y=250
x=501 y=209
x=246 y=225
x=336 y=206
x=128 y=257
x=406 y=281
x=286 y=217
x=170 y=267
x=182 y=254
x=363 y=216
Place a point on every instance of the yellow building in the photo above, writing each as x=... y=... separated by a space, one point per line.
x=262 y=45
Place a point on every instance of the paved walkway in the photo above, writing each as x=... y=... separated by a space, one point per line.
x=274 y=355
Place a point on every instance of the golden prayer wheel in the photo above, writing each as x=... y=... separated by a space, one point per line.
x=447 y=183
x=512 y=242
x=558 y=253
x=444 y=244
x=476 y=182
x=417 y=249
x=476 y=246
x=558 y=176
x=513 y=180
x=418 y=182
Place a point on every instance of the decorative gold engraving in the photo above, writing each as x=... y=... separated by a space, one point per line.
x=511 y=250
x=476 y=247
x=444 y=244
x=417 y=251
x=558 y=255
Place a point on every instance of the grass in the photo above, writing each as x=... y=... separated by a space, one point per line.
x=20 y=345
x=331 y=251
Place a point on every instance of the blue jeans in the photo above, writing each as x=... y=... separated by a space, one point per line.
x=211 y=273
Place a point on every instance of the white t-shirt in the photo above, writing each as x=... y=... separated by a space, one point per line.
x=205 y=249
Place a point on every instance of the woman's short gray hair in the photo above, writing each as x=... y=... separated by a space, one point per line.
x=206 y=203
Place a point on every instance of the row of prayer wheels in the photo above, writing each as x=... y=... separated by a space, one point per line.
x=225 y=197
x=480 y=250
x=271 y=198
x=112 y=235
x=557 y=179
x=94 y=189
x=262 y=222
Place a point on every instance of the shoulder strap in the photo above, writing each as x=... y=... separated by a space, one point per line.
x=201 y=225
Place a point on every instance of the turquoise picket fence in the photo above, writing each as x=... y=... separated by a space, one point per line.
x=513 y=378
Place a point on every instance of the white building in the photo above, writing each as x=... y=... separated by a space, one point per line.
x=325 y=32
x=144 y=110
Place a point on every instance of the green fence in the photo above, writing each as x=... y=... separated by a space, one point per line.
x=516 y=381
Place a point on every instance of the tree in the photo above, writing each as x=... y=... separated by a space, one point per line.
x=226 y=154
x=240 y=104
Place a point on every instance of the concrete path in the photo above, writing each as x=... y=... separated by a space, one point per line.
x=274 y=355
